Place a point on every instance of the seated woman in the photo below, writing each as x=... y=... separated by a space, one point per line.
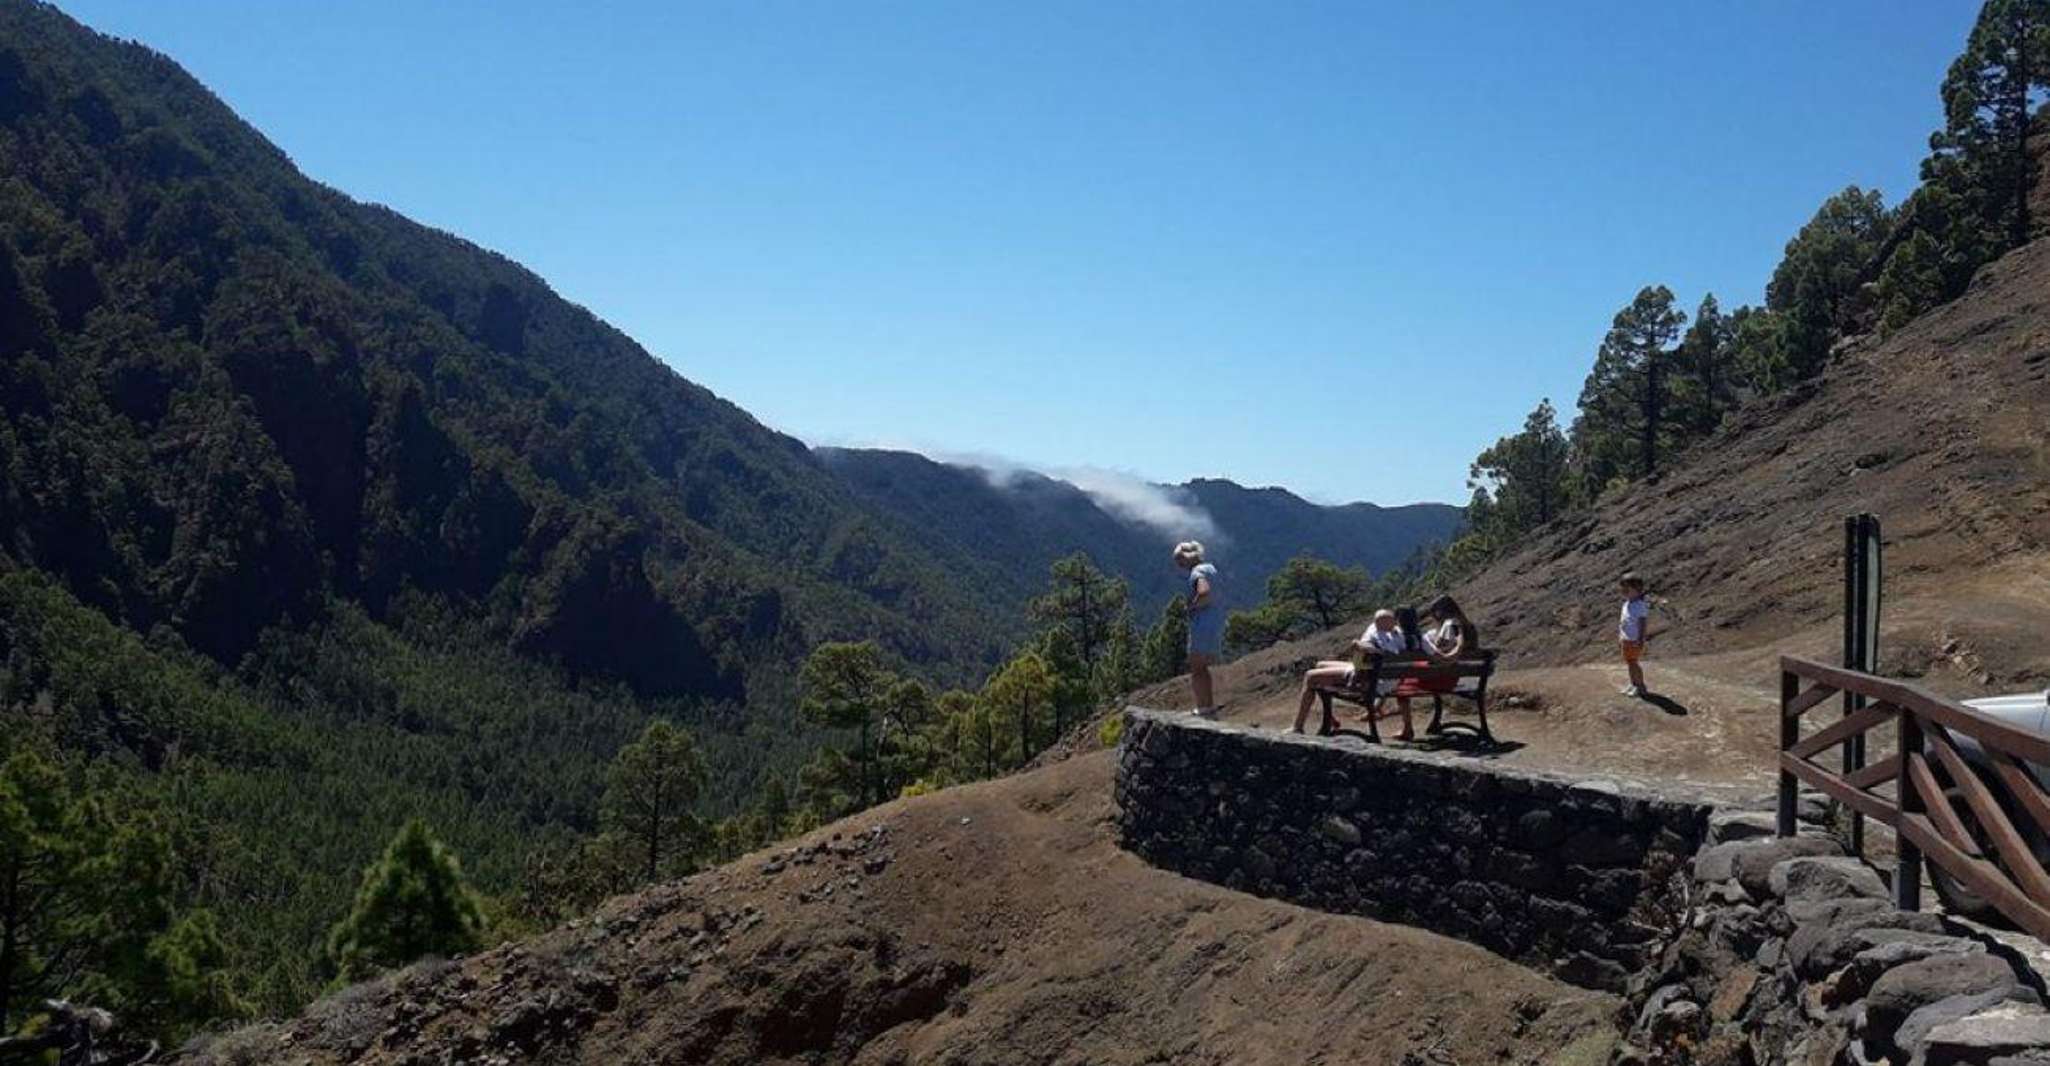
x=1451 y=636
x=1382 y=637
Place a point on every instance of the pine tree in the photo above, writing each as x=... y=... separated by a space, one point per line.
x=1758 y=350
x=1521 y=482
x=1167 y=643
x=1912 y=282
x=1083 y=604
x=1816 y=287
x=1121 y=662
x=649 y=792
x=1261 y=627
x=1624 y=405
x=1987 y=97
x=845 y=686
x=413 y=903
x=1973 y=203
x=1704 y=384
x=773 y=806
x=1015 y=696
x=1319 y=591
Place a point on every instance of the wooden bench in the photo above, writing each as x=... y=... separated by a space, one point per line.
x=1376 y=677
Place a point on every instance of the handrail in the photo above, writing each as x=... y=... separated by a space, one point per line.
x=1932 y=823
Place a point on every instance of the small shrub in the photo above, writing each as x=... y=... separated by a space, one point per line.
x=1111 y=731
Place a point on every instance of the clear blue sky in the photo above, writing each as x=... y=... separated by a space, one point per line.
x=1335 y=246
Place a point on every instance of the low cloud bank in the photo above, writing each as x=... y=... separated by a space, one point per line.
x=1165 y=509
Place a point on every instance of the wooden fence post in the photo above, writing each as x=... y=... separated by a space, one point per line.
x=1907 y=867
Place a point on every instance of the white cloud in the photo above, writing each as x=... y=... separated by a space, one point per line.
x=1166 y=509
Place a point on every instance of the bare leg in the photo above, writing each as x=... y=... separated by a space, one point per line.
x=1402 y=705
x=1637 y=676
x=1323 y=674
x=1199 y=679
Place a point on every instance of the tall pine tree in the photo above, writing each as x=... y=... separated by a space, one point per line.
x=1816 y=289
x=1973 y=203
x=1521 y=482
x=1625 y=404
x=649 y=792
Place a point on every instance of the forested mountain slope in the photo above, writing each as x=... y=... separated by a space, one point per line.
x=1010 y=526
x=313 y=519
x=231 y=393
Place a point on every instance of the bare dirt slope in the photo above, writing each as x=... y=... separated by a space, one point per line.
x=1942 y=430
x=996 y=923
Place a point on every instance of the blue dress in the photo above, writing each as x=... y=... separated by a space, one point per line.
x=1206 y=623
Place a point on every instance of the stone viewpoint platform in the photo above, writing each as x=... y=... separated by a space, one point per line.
x=1574 y=877
x=1731 y=945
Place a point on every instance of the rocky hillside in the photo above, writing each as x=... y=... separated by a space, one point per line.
x=1942 y=430
x=996 y=923
x=1009 y=526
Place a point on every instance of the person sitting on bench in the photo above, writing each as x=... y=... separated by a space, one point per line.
x=1381 y=637
x=1453 y=634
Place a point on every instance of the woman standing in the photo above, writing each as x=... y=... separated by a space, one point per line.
x=1206 y=622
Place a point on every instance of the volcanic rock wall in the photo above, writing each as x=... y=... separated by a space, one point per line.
x=1583 y=879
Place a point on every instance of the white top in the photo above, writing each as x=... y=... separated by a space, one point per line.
x=1385 y=641
x=1631 y=626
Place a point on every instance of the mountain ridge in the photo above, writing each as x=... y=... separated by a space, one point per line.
x=1016 y=513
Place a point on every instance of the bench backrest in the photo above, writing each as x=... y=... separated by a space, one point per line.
x=1380 y=667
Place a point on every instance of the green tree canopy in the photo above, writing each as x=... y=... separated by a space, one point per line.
x=413 y=903
x=1626 y=402
x=1522 y=481
x=1816 y=289
x=650 y=791
x=1083 y=605
x=1018 y=696
x=846 y=686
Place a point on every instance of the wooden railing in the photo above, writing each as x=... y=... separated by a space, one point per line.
x=1942 y=808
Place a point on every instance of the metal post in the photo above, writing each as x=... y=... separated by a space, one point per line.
x=1790 y=734
x=1907 y=869
x=1854 y=652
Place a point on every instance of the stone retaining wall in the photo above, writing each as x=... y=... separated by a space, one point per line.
x=1582 y=879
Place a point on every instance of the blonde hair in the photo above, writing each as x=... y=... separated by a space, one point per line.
x=1189 y=549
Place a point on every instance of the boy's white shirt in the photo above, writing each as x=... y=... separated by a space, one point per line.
x=1631 y=625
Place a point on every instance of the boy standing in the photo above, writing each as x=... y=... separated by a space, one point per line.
x=1630 y=631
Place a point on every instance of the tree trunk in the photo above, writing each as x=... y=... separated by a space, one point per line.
x=1652 y=413
x=10 y=934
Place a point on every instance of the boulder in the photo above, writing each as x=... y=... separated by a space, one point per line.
x=1829 y=933
x=2008 y=1030
x=1727 y=826
x=1890 y=948
x=1821 y=877
x=1750 y=862
x=1915 y=998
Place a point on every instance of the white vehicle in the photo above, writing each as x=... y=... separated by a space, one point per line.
x=2030 y=711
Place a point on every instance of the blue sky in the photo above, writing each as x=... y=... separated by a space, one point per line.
x=1335 y=246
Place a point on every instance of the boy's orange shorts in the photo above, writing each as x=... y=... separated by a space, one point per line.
x=1633 y=650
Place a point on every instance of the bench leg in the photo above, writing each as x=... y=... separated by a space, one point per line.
x=1437 y=715
x=1330 y=725
x=1374 y=721
x=1480 y=707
